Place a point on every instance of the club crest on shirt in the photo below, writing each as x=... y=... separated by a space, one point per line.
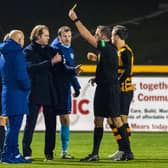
x=72 y=56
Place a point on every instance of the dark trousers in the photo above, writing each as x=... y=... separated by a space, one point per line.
x=2 y=137
x=50 y=133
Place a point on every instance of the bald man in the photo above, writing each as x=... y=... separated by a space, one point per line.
x=15 y=88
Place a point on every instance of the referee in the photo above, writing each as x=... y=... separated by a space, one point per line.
x=106 y=99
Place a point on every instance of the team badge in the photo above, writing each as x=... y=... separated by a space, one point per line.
x=72 y=56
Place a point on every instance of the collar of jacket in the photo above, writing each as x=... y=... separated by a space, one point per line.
x=37 y=45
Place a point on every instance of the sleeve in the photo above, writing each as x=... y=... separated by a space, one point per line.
x=75 y=83
x=34 y=65
x=2 y=61
x=126 y=59
x=69 y=69
x=21 y=72
x=55 y=44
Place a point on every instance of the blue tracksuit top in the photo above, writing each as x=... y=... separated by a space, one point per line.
x=15 y=79
x=68 y=55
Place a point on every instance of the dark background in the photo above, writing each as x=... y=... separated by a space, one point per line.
x=147 y=22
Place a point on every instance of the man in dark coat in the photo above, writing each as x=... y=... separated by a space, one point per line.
x=15 y=88
x=41 y=59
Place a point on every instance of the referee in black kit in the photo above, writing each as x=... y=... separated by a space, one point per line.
x=106 y=99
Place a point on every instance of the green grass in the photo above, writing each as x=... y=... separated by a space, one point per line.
x=150 y=150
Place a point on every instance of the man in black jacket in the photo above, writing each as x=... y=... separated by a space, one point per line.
x=41 y=59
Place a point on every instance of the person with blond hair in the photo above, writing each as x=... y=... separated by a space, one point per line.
x=41 y=59
x=15 y=88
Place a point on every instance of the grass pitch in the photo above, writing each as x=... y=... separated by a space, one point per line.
x=150 y=150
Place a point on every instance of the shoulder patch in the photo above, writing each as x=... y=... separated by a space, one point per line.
x=103 y=43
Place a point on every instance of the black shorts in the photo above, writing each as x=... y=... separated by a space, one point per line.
x=125 y=101
x=107 y=101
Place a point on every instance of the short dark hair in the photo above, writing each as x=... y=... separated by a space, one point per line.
x=63 y=29
x=105 y=30
x=121 y=31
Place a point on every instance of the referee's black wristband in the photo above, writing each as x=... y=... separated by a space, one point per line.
x=76 y=20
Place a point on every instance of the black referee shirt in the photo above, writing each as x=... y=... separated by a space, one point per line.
x=107 y=64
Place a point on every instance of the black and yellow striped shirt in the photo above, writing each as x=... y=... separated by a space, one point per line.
x=125 y=63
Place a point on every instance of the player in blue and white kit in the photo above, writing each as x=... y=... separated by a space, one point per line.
x=63 y=44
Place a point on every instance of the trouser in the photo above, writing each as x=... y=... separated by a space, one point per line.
x=11 y=139
x=50 y=123
x=2 y=137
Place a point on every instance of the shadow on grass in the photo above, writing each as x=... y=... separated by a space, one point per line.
x=102 y=162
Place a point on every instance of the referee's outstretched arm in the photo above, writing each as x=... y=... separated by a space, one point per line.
x=85 y=33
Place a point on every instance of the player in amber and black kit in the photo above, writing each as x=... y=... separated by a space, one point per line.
x=125 y=62
x=106 y=99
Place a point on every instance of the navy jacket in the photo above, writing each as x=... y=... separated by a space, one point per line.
x=46 y=84
x=15 y=80
x=40 y=71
